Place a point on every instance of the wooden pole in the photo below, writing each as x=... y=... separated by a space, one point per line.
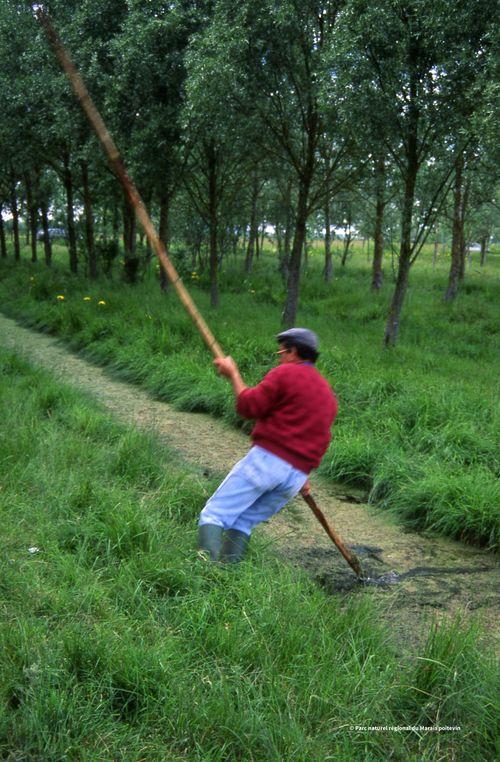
x=332 y=534
x=118 y=168
x=142 y=215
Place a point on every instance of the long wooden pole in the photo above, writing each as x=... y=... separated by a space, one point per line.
x=142 y=215
x=119 y=170
x=351 y=559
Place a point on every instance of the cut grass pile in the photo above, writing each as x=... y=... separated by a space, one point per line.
x=417 y=427
x=117 y=642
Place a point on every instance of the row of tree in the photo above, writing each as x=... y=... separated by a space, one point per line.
x=378 y=115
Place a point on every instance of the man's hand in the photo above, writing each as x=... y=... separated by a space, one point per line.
x=226 y=366
x=306 y=488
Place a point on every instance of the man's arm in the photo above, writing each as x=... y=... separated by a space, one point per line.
x=251 y=401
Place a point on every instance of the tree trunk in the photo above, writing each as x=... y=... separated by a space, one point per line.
x=279 y=240
x=285 y=258
x=292 y=296
x=465 y=251
x=131 y=263
x=393 y=317
x=163 y=233
x=213 y=221
x=115 y=223
x=104 y=224
x=252 y=236
x=262 y=236
x=3 y=243
x=457 y=241
x=47 y=244
x=89 y=221
x=378 y=235
x=70 y=214
x=347 y=244
x=484 y=244
x=392 y=324
x=32 y=215
x=328 y=269
x=435 y=254
x=15 y=218
x=147 y=197
x=234 y=241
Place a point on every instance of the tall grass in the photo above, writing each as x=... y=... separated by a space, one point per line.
x=417 y=427
x=117 y=642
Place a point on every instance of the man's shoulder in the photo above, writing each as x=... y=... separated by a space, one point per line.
x=306 y=372
x=280 y=376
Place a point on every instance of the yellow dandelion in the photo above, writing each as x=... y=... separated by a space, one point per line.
x=101 y=301
x=60 y=297
x=87 y=298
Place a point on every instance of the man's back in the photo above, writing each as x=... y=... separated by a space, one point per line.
x=295 y=408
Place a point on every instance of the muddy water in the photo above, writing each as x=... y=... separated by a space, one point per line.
x=414 y=577
x=410 y=574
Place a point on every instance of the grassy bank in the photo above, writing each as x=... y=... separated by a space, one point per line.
x=417 y=426
x=116 y=642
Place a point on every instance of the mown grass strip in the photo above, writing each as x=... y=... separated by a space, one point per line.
x=118 y=642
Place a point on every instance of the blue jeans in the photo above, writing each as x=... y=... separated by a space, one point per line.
x=256 y=488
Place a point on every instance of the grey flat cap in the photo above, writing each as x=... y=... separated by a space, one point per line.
x=302 y=336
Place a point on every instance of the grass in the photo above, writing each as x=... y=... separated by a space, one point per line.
x=417 y=427
x=118 y=643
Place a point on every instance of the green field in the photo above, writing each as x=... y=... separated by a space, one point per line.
x=117 y=642
x=418 y=425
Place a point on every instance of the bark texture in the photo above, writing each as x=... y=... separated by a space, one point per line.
x=393 y=317
x=70 y=214
x=292 y=296
x=89 y=221
x=328 y=269
x=15 y=217
x=164 y=235
x=131 y=264
x=457 y=241
x=378 y=234
x=32 y=214
x=253 y=233
x=47 y=244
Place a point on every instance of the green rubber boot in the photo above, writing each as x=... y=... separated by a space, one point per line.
x=234 y=546
x=210 y=540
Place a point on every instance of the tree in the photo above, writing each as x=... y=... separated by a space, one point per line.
x=406 y=62
x=279 y=82
x=217 y=146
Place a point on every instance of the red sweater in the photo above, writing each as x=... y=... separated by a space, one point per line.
x=295 y=408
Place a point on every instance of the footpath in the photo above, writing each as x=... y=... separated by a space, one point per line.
x=415 y=574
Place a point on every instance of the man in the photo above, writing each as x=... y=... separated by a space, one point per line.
x=294 y=407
